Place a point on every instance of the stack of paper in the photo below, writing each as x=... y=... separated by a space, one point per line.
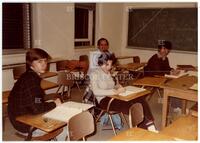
x=132 y=90
x=182 y=73
x=67 y=110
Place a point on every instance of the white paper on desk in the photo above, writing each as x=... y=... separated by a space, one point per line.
x=182 y=73
x=62 y=114
x=67 y=110
x=77 y=105
x=132 y=90
x=194 y=86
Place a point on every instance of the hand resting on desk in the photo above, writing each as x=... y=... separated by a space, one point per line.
x=120 y=89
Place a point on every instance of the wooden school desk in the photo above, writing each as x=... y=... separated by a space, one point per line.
x=131 y=66
x=154 y=82
x=138 y=134
x=178 y=88
x=39 y=122
x=45 y=84
x=150 y=81
x=184 y=128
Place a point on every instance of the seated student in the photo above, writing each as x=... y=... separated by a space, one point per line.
x=102 y=85
x=102 y=45
x=158 y=64
x=27 y=97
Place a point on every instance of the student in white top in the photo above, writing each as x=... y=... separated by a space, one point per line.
x=102 y=84
x=102 y=45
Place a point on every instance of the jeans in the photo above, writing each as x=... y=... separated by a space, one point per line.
x=116 y=120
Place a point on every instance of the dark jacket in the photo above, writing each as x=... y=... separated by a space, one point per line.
x=157 y=66
x=27 y=97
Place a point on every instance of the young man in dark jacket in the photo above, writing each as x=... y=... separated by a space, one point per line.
x=27 y=97
x=158 y=64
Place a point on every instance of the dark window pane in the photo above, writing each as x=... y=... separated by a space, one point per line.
x=14 y=25
x=81 y=23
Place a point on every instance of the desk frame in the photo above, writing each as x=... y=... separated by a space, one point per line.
x=178 y=93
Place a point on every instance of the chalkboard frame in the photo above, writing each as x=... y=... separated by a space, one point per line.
x=193 y=28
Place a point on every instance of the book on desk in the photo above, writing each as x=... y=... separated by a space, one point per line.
x=67 y=110
x=131 y=90
x=181 y=74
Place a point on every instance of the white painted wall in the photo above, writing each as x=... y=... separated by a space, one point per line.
x=53 y=30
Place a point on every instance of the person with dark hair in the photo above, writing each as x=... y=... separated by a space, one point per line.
x=27 y=96
x=158 y=64
x=103 y=46
x=102 y=85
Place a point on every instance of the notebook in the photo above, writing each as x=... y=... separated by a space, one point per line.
x=67 y=110
x=182 y=73
x=132 y=90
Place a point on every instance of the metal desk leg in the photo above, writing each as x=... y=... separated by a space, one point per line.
x=28 y=138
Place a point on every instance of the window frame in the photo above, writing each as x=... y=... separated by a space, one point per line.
x=91 y=25
x=27 y=32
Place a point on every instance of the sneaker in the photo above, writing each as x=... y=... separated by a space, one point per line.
x=177 y=110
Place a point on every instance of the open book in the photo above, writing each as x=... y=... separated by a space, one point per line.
x=194 y=86
x=132 y=90
x=67 y=110
x=182 y=73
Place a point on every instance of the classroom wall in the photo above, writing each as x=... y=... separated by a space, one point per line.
x=53 y=30
x=174 y=57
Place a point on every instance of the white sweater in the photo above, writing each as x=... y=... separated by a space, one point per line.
x=102 y=84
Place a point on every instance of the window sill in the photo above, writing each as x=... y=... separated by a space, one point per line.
x=85 y=48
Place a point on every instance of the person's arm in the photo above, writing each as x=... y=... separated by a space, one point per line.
x=152 y=67
x=34 y=100
x=95 y=88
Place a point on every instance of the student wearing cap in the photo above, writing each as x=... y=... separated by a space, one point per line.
x=158 y=64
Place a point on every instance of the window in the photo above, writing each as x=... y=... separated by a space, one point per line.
x=84 y=24
x=16 y=27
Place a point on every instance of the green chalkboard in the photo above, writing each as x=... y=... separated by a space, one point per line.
x=178 y=25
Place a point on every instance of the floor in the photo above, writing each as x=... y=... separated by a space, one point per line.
x=100 y=135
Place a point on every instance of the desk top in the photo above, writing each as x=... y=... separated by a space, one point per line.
x=182 y=83
x=131 y=96
x=140 y=135
x=185 y=128
x=48 y=74
x=150 y=81
x=131 y=66
x=37 y=121
x=5 y=95
x=45 y=84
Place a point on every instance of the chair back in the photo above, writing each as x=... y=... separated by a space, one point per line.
x=61 y=65
x=84 y=60
x=81 y=125
x=136 y=59
x=136 y=115
x=18 y=71
x=65 y=78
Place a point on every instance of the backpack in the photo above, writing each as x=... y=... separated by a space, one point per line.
x=89 y=97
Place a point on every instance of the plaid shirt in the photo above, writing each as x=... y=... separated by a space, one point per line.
x=27 y=97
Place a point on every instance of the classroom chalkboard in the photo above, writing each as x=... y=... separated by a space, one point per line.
x=148 y=26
